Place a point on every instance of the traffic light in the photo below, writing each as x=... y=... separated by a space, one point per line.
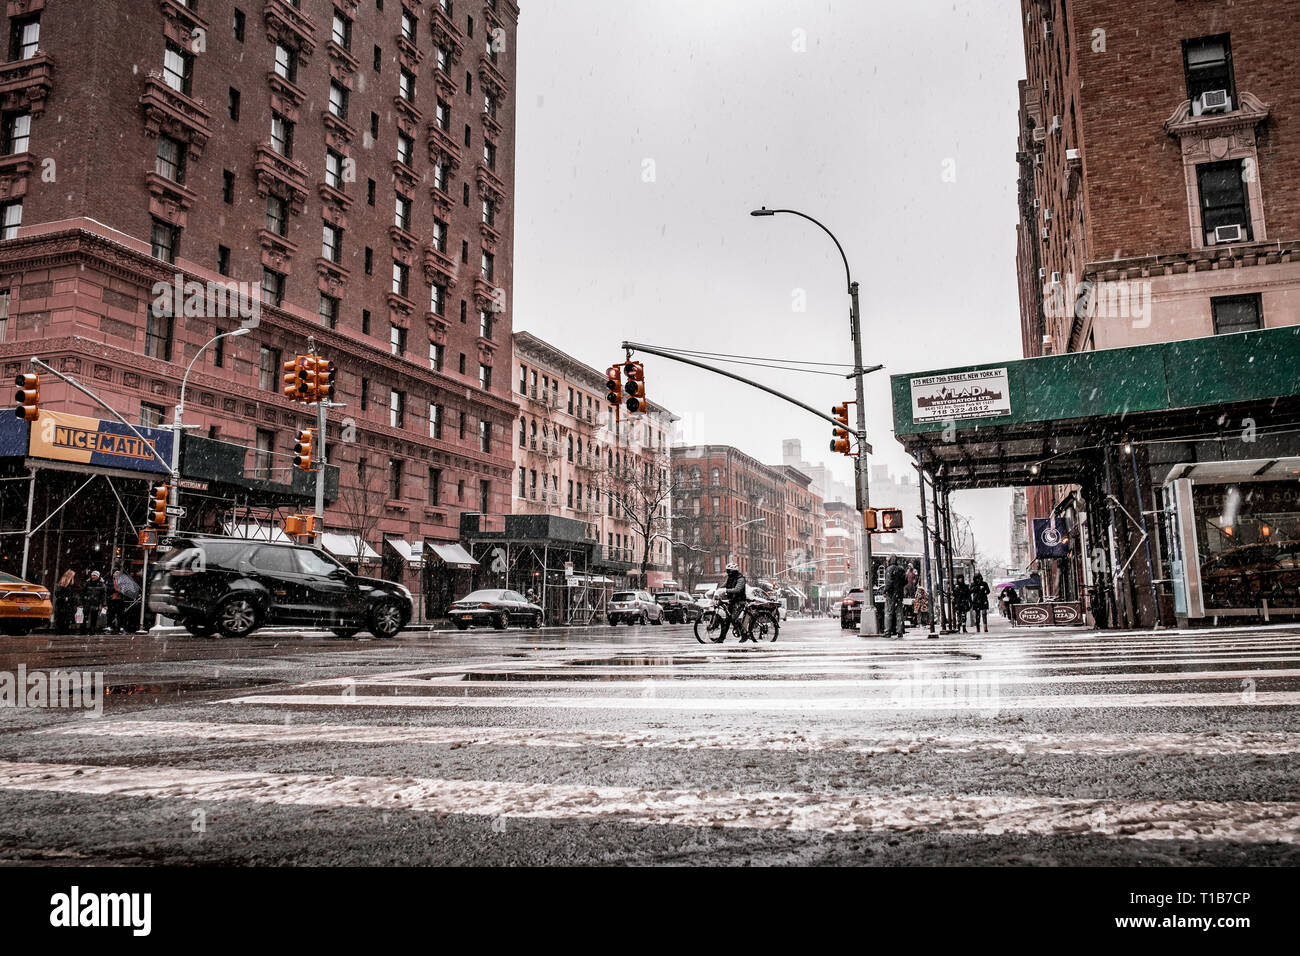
x=311 y=377
x=295 y=379
x=840 y=443
x=869 y=519
x=294 y=526
x=28 y=396
x=614 y=385
x=302 y=450
x=158 y=511
x=635 y=387
x=325 y=374
x=891 y=519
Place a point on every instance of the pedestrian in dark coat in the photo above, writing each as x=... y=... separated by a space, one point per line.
x=979 y=602
x=895 y=584
x=65 y=602
x=961 y=601
x=92 y=599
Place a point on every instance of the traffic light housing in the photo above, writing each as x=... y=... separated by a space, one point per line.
x=295 y=379
x=325 y=375
x=27 y=398
x=635 y=387
x=614 y=385
x=869 y=519
x=294 y=526
x=840 y=441
x=302 y=449
x=891 y=519
x=158 y=508
x=311 y=378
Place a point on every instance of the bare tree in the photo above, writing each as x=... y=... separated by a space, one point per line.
x=642 y=493
x=361 y=506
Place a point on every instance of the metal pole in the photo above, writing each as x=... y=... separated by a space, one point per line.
x=1142 y=517
x=144 y=590
x=27 y=529
x=952 y=574
x=868 y=621
x=938 y=555
x=320 y=474
x=925 y=546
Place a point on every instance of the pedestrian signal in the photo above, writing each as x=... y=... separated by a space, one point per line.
x=891 y=519
x=869 y=519
x=27 y=398
x=635 y=388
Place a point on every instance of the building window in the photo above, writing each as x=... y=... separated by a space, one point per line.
x=440 y=236
x=484 y=495
x=397 y=409
x=158 y=335
x=405 y=148
x=331 y=243
x=239 y=25
x=401 y=278
x=461 y=418
x=394 y=479
x=490 y=106
x=485 y=328
x=151 y=416
x=485 y=377
x=488 y=268
x=489 y=156
x=338 y=100
x=178 y=69
x=1207 y=62
x=219 y=350
x=435 y=356
x=169 y=162
x=435 y=486
x=378 y=59
x=402 y=212
x=277 y=217
x=1236 y=313
x=397 y=339
x=286 y=63
x=232 y=104
x=18 y=132
x=435 y=420
x=341 y=31
x=408 y=26
x=164 y=238
x=369 y=261
x=406 y=85
x=489 y=212
x=442 y=115
x=374 y=126
x=365 y=321
x=329 y=311
x=460 y=370
x=1223 y=198
x=223 y=261
x=334 y=169
x=443 y=60
x=228 y=186
x=265 y=454
x=370 y=192
x=523 y=481
x=269 y=369
x=441 y=170
x=484 y=436
x=11 y=217
x=523 y=432
x=282 y=135
x=460 y=489
x=437 y=299
x=272 y=287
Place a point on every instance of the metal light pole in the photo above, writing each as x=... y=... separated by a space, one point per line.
x=174 y=499
x=868 y=625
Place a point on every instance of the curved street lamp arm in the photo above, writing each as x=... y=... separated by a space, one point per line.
x=848 y=274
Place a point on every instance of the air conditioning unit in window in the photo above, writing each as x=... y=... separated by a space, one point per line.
x=1047 y=215
x=1072 y=156
x=1040 y=134
x=1229 y=234
x=1045 y=233
x=1038 y=159
x=1056 y=124
x=1037 y=203
x=1056 y=278
x=1215 y=101
x=1042 y=273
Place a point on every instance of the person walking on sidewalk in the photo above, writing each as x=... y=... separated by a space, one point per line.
x=895 y=584
x=979 y=602
x=92 y=599
x=961 y=601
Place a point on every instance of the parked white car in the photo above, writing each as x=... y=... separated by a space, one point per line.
x=634 y=607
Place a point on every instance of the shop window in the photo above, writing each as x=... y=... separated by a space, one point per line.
x=1236 y=313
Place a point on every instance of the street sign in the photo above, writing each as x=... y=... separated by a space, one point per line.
x=175 y=511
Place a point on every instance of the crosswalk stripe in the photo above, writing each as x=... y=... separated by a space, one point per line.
x=1066 y=743
x=1237 y=821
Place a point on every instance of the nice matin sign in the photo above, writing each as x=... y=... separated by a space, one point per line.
x=59 y=436
x=958 y=395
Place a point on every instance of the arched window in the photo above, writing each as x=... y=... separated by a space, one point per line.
x=717 y=476
x=523 y=433
x=570 y=448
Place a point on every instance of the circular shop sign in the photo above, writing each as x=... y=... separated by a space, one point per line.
x=1035 y=615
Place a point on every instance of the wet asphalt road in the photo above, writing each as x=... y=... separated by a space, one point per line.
x=638 y=745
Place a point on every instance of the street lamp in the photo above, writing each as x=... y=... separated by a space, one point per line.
x=868 y=625
x=177 y=431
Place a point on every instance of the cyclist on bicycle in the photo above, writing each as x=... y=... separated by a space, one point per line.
x=734 y=592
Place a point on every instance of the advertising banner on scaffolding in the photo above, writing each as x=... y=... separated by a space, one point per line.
x=59 y=436
x=959 y=395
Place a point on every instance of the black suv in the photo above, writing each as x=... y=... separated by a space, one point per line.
x=236 y=585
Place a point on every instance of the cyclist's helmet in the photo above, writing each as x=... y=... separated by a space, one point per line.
x=732 y=566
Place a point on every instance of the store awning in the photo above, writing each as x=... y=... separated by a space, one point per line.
x=796 y=592
x=345 y=546
x=412 y=552
x=453 y=555
x=251 y=529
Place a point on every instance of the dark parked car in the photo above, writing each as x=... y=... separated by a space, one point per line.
x=679 y=607
x=497 y=607
x=236 y=585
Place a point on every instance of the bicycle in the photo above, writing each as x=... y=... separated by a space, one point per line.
x=759 y=622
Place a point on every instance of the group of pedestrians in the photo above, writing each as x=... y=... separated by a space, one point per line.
x=77 y=606
x=971 y=600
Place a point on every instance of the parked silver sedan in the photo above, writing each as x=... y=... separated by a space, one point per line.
x=634 y=607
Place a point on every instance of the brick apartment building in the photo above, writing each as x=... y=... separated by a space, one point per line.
x=353 y=158
x=571 y=460
x=732 y=506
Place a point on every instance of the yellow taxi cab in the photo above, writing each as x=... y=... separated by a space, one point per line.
x=23 y=605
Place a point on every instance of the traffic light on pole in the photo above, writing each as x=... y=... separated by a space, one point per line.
x=295 y=378
x=311 y=378
x=27 y=398
x=614 y=385
x=635 y=387
x=840 y=443
x=891 y=519
x=869 y=519
x=302 y=450
x=158 y=509
x=294 y=526
x=325 y=373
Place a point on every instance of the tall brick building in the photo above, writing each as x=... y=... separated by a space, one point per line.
x=353 y=158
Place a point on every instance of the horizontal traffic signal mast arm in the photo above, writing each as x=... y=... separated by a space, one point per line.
x=635 y=347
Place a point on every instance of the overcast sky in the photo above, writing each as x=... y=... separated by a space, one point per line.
x=647 y=131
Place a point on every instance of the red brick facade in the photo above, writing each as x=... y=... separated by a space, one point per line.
x=80 y=270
